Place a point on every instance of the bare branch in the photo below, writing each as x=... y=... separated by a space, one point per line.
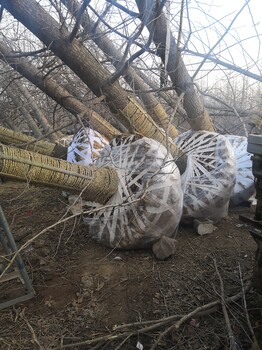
x=129 y=12
x=232 y=342
x=225 y=64
x=220 y=39
x=145 y=20
x=78 y=20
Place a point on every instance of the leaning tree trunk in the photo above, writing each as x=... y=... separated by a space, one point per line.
x=57 y=92
x=18 y=139
x=39 y=115
x=152 y=105
x=20 y=105
x=7 y=121
x=96 y=184
x=197 y=114
x=90 y=71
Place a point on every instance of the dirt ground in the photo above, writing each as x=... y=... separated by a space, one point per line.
x=85 y=292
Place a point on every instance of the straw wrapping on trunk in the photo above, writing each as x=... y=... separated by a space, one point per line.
x=140 y=120
x=11 y=137
x=98 y=184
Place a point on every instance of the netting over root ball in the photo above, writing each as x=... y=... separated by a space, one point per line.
x=149 y=200
x=85 y=147
x=210 y=174
x=244 y=187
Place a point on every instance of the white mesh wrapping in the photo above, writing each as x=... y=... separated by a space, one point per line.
x=244 y=187
x=210 y=174
x=149 y=199
x=66 y=140
x=85 y=146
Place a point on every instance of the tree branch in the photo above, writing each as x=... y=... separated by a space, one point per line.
x=125 y=66
x=220 y=39
x=225 y=64
x=232 y=342
x=124 y=9
x=78 y=20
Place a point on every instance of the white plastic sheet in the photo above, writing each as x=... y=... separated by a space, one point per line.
x=149 y=199
x=85 y=146
x=210 y=174
x=244 y=187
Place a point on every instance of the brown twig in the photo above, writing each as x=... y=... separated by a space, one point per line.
x=232 y=342
x=119 y=347
x=35 y=339
x=255 y=342
x=159 y=323
x=199 y=312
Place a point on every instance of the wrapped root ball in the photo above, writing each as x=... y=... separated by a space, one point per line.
x=210 y=174
x=244 y=187
x=148 y=202
x=85 y=146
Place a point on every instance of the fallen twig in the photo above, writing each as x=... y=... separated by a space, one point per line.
x=198 y=312
x=255 y=342
x=134 y=324
x=119 y=347
x=232 y=342
x=35 y=339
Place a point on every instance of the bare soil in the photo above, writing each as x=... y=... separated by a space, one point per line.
x=84 y=290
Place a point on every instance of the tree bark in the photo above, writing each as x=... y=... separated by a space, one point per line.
x=90 y=71
x=197 y=115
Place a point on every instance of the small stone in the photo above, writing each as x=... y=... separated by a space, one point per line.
x=139 y=346
x=164 y=247
x=204 y=227
x=118 y=258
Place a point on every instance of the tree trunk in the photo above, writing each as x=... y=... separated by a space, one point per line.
x=11 y=137
x=152 y=105
x=57 y=92
x=6 y=120
x=90 y=71
x=42 y=119
x=198 y=116
x=13 y=93
x=97 y=184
